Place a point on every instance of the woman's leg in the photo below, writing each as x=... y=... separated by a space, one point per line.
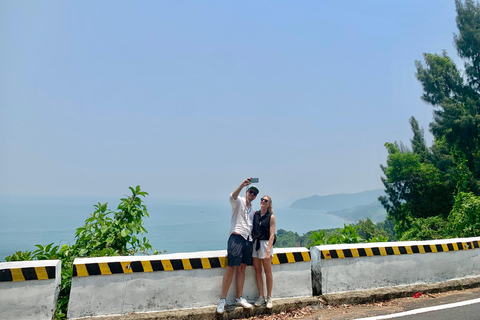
x=267 y=266
x=257 y=265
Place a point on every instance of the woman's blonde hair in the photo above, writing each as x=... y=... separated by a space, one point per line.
x=270 y=204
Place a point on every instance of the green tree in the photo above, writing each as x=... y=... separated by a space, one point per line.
x=286 y=239
x=423 y=184
x=371 y=232
x=464 y=220
x=115 y=235
x=414 y=187
x=426 y=229
x=456 y=98
x=348 y=234
x=101 y=235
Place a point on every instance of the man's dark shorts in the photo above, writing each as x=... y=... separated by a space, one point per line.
x=239 y=251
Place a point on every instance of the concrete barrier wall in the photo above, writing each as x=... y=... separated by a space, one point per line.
x=120 y=285
x=29 y=289
x=355 y=267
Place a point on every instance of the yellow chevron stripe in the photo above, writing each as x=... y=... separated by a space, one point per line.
x=355 y=253
x=306 y=256
x=205 y=263
x=369 y=252
x=104 y=268
x=126 y=267
x=275 y=259
x=147 y=266
x=17 y=275
x=223 y=261
x=290 y=257
x=41 y=273
x=186 y=264
x=81 y=270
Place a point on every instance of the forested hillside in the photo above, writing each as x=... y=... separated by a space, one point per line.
x=336 y=202
x=433 y=191
x=374 y=211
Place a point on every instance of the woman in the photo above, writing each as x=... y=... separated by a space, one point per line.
x=264 y=234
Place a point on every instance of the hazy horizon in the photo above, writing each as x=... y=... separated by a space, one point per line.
x=187 y=100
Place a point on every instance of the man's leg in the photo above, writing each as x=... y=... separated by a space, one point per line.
x=227 y=280
x=240 y=279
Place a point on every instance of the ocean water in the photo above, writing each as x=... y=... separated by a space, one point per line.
x=173 y=225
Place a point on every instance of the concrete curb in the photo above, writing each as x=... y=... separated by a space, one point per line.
x=231 y=312
x=280 y=305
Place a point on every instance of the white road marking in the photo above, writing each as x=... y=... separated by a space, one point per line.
x=422 y=310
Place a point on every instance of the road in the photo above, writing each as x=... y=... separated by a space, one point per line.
x=465 y=310
x=388 y=309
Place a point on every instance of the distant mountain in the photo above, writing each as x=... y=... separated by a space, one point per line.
x=336 y=202
x=375 y=211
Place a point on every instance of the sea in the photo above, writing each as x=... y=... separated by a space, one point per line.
x=173 y=225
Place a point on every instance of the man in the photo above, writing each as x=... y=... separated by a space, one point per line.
x=240 y=246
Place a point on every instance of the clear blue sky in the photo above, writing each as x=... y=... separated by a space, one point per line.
x=188 y=98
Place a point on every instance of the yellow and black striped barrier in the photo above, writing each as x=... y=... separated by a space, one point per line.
x=106 y=268
x=27 y=273
x=398 y=250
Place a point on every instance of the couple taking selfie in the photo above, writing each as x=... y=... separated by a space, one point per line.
x=250 y=241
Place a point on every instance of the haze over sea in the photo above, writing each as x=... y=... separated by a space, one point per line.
x=173 y=225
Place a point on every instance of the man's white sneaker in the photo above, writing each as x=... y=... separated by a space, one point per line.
x=260 y=301
x=221 y=306
x=243 y=303
x=269 y=303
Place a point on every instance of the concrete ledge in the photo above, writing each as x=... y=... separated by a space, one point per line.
x=107 y=286
x=29 y=289
x=280 y=305
x=231 y=312
x=346 y=268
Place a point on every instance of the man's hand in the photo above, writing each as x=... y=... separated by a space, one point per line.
x=245 y=183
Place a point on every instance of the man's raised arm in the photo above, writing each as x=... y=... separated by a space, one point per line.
x=245 y=183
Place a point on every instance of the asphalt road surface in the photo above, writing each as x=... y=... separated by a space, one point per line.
x=395 y=309
x=465 y=310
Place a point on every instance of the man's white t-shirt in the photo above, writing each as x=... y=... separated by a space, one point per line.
x=242 y=218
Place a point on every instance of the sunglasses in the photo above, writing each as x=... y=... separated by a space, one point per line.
x=266 y=200
x=252 y=192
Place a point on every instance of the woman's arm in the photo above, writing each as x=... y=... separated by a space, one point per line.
x=272 y=236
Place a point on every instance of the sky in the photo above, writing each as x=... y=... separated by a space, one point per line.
x=188 y=98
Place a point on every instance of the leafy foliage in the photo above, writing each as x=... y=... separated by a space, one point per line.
x=364 y=231
x=430 y=192
x=464 y=220
x=286 y=239
x=105 y=233
x=426 y=229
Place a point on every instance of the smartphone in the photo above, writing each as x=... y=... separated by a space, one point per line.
x=254 y=180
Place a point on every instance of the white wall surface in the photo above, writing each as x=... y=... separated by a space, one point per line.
x=32 y=299
x=363 y=273
x=180 y=289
